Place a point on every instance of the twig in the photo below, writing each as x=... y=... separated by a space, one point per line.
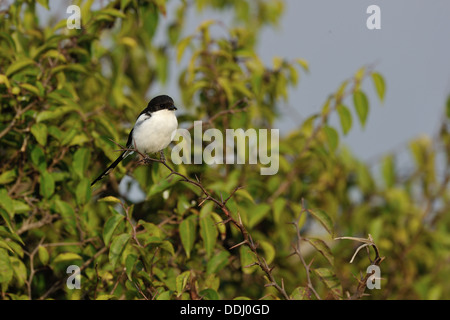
x=362 y=282
x=298 y=252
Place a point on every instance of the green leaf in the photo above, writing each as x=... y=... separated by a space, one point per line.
x=38 y=158
x=257 y=214
x=6 y=202
x=181 y=282
x=7 y=219
x=345 y=117
x=361 y=104
x=447 y=107
x=43 y=255
x=247 y=259
x=103 y=297
x=181 y=47
x=221 y=227
x=110 y=199
x=226 y=86
x=39 y=131
x=20 y=271
x=300 y=293
x=323 y=218
x=21 y=207
x=75 y=67
x=379 y=84
x=217 y=262
x=83 y=191
x=18 y=65
x=6 y=268
x=330 y=280
x=187 y=233
x=30 y=88
x=8 y=176
x=47 y=185
x=164 y=295
x=208 y=232
x=80 y=161
x=244 y=194
x=332 y=137
x=5 y=245
x=151 y=229
x=113 y=12
x=269 y=250
x=323 y=248
x=44 y=3
x=209 y=294
x=167 y=246
x=388 y=170
x=278 y=208
x=129 y=264
x=56 y=113
x=117 y=246
x=110 y=226
x=66 y=256
x=303 y=63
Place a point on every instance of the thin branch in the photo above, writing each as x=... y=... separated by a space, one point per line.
x=298 y=252
x=362 y=282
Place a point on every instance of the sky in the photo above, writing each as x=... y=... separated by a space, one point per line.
x=411 y=51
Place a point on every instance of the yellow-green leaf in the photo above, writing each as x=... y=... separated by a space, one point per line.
x=43 y=255
x=47 y=185
x=110 y=226
x=323 y=248
x=208 y=232
x=379 y=84
x=6 y=269
x=67 y=256
x=40 y=132
x=18 y=65
x=117 y=246
x=181 y=282
x=361 y=104
x=345 y=117
x=187 y=233
x=323 y=218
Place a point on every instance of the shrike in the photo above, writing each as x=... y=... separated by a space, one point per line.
x=153 y=131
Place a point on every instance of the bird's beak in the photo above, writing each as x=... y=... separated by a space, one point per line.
x=173 y=108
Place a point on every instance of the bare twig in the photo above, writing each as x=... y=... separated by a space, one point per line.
x=298 y=252
x=362 y=282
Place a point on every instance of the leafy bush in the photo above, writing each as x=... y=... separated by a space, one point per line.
x=202 y=232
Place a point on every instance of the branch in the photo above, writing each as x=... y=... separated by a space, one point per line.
x=362 y=283
x=299 y=253
x=248 y=241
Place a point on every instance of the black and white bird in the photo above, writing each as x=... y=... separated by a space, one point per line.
x=153 y=131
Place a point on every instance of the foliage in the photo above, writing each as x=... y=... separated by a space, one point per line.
x=209 y=232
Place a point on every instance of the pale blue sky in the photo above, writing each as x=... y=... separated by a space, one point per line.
x=411 y=50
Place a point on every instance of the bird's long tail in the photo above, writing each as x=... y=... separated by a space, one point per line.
x=112 y=166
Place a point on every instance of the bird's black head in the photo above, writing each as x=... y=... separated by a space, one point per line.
x=160 y=103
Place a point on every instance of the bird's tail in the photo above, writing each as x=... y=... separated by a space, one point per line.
x=112 y=166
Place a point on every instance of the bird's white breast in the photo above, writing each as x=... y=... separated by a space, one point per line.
x=154 y=133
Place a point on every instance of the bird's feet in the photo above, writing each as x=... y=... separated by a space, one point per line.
x=162 y=157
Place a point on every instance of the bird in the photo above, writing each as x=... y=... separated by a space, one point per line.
x=153 y=131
